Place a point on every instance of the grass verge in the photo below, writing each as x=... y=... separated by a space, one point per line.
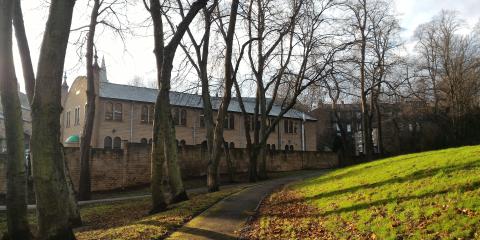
x=129 y=220
x=430 y=195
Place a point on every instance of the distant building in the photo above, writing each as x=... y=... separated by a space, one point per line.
x=125 y=113
x=406 y=127
x=27 y=124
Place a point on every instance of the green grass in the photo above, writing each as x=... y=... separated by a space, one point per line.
x=129 y=219
x=430 y=195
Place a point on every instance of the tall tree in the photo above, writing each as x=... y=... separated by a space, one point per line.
x=17 y=221
x=99 y=9
x=218 y=141
x=86 y=138
x=164 y=145
x=29 y=77
x=52 y=194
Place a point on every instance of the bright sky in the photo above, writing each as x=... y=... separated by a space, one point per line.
x=138 y=60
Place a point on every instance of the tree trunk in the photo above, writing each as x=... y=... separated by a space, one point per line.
x=86 y=138
x=164 y=129
x=366 y=126
x=252 y=164
x=17 y=222
x=53 y=202
x=158 y=152
x=24 y=50
x=230 y=166
x=212 y=170
x=74 y=212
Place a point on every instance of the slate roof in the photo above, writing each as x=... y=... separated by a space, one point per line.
x=142 y=94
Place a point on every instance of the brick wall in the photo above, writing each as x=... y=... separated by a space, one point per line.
x=130 y=166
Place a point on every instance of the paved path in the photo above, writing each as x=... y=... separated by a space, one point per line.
x=224 y=219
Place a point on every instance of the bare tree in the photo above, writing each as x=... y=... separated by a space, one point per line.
x=290 y=57
x=101 y=10
x=17 y=221
x=52 y=194
x=164 y=144
x=450 y=61
x=29 y=77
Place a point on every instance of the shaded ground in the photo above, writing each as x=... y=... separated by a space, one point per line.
x=431 y=195
x=130 y=220
x=225 y=219
x=192 y=183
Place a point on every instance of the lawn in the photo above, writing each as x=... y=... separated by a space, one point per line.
x=130 y=220
x=430 y=195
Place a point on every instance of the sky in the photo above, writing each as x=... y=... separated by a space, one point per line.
x=137 y=59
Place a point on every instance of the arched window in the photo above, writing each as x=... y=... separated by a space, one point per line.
x=182 y=143
x=273 y=147
x=232 y=145
x=150 y=141
x=268 y=146
x=107 y=142
x=143 y=141
x=108 y=111
x=291 y=148
x=117 y=113
x=144 y=114
x=117 y=143
x=286 y=147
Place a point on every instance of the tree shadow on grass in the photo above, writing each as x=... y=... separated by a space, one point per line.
x=415 y=176
x=357 y=170
x=463 y=188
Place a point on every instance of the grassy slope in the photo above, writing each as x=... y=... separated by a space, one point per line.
x=428 y=195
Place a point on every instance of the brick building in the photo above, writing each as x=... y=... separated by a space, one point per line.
x=125 y=113
x=406 y=127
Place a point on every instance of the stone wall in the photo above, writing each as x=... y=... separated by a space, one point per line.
x=130 y=166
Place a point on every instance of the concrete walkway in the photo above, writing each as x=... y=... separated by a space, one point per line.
x=225 y=219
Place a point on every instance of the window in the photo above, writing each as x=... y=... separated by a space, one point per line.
x=229 y=122
x=179 y=117
x=108 y=111
x=151 y=114
x=291 y=148
x=143 y=141
x=290 y=126
x=232 y=145
x=202 y=120
x=183 y=117
x=107 y=142
x=273 y=147
x=144 y=114
x=349 y=128
x=150 y=141
x=67 y=121
x=117 y=112
x=77 y=116
x=268 y=147
x=183 y=143
x=117 y=143
x=286 y=147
